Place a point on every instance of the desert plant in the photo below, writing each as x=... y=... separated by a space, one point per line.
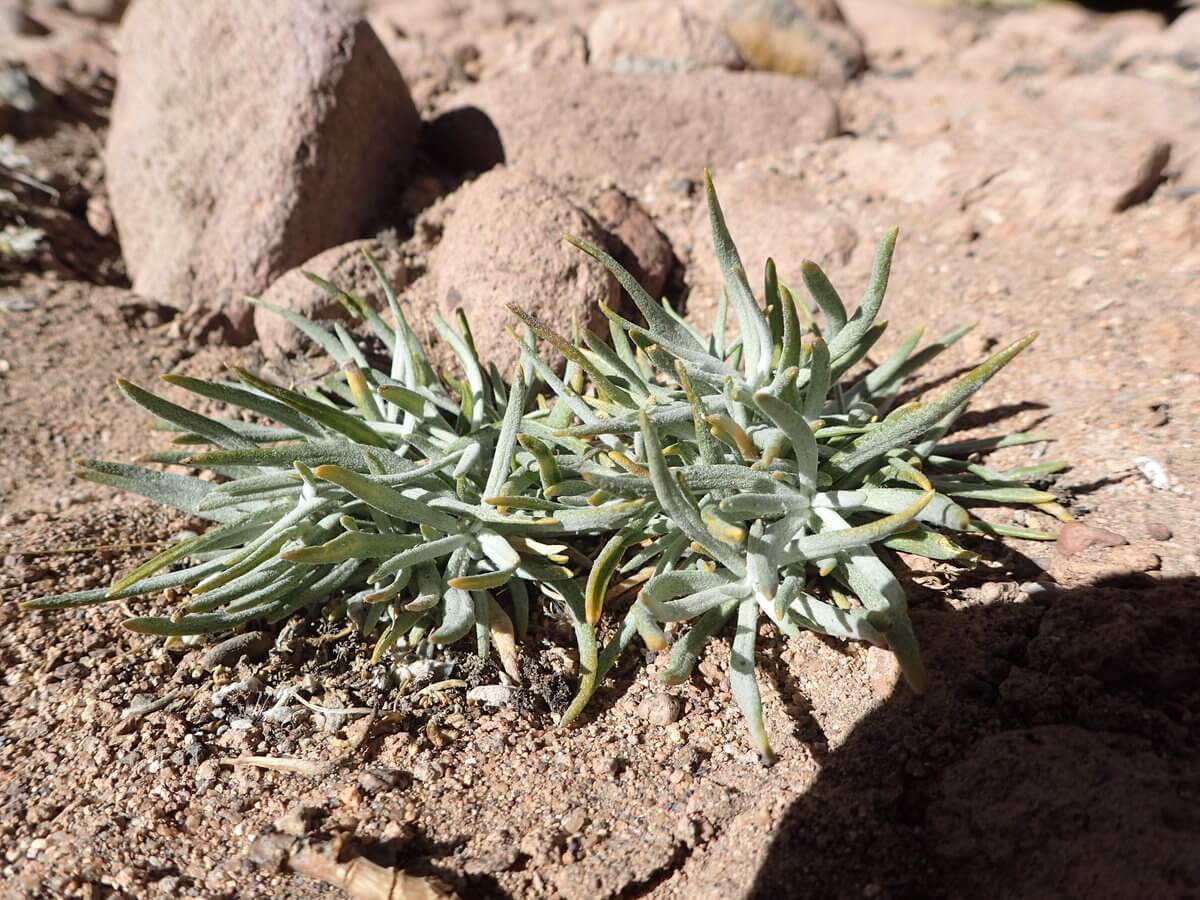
x=773 y=475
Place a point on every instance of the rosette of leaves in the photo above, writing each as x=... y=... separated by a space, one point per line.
x=771 y=477
x=780 y=472
x=363 y=496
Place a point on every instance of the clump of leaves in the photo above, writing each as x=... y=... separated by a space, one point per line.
x=772 y=476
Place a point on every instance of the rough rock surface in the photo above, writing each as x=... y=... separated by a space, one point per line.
x=245 y=139
x=345 y=266
x=770 y=214
x=641 y=247
x=651 y=36
x=502 y=245
x=808 y=38
x=582 y=124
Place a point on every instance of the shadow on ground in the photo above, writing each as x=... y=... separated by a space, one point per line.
x=1055 y=756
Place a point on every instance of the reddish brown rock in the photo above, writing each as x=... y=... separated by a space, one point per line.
x=245 y=139
x=344 y=266
x=641 y=247
x=584 y=124
x=504 y=244
x=883 y=672
x=1075 y=537
x=1159 y=531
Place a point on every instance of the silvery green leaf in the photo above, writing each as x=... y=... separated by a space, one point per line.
x=688 y=648
x=940 y=510
x=354 y=356
x=864 y=317
x=741 y=677
x=700 y=592
x=756 y=333
x=929 y=544
x=986 y=445
x=768 y=506
x=214 y=432
x=607 y=517
x=993 y=493
x=326 y=414
x=150 y=585
x=237 y=396
x=426 y=551
x=177 y=491
x=826 y=297
x=648 y=629
x=661 y=324
x=519 y=595
x=604 y=386
x=386 y=499
x=470 y=364
x=804 y=445
x=828 y=542
x=888 y=387
x=639 y=389
x=327 y=584
x=314 y=332
x=253 y=588
x=312 y=453
x=848 y=360
x=458 y=608
x=886 y=371
x=909 y=422
x=567 y=397
x=572 y=597
x=852 y=624
x=675 y=505
x=353 y=545
x=506 y=443
x=818 y=381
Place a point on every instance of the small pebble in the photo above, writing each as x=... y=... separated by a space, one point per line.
x=991 y=591
x=1159 y=532
x=660 y=709
x=1075 y=537
x=374 y=780
x=607 y=765
x=1154 y=472
x=574 y=822
x=1080 y=277
x=244 y=688
x=492 y=694
x=252 y=645
x=883 y=672
x=300 y=820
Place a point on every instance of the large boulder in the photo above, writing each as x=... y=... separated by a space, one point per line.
x=504 y=244
x=585 y=124
x=247 y=137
